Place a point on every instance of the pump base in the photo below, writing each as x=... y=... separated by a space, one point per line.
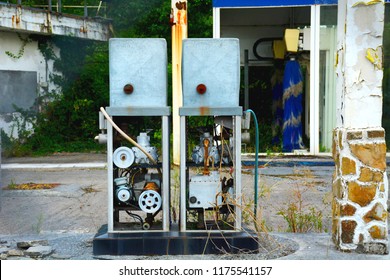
x=174 y=242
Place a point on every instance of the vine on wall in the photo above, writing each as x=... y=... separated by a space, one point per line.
x=20 y=53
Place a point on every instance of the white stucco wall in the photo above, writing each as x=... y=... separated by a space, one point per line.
x=31 y=60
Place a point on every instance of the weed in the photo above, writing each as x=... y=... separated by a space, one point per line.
x=299 y=216
x=89 y=189
x=37 y=227
x=12 y=185
x=302 y=220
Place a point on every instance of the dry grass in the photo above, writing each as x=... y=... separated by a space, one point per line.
x=31 y=186
x=89 y=189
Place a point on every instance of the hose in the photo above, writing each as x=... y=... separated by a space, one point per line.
x=256 y=162
x=128 y=138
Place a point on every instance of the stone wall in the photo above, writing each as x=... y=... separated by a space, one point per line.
x=360 y=189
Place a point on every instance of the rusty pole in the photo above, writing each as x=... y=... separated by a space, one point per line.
x=179 y=32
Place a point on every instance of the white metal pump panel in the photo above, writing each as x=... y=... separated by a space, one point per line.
x=141 y=64
x=214 y=63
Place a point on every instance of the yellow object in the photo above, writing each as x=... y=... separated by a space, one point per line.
x=291 y=37
x=375 y=57
x=367 y=3
x=279 y=48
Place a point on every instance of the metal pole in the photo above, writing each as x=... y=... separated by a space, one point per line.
x=246 y=80
x=179 y=32
x=59 y=6
x=49 y=5
x=85 y=9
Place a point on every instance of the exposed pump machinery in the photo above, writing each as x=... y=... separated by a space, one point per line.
x=138 y=171
x=142 y=218
x=211 y=177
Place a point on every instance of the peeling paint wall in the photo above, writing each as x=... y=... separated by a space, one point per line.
x=361 y=27
x=31 y=60
x=360 y=184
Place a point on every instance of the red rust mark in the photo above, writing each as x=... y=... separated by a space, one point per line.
x=172 y=19
x=15 y=19
x=181 y=5
x=206 y=143
x=204 y=111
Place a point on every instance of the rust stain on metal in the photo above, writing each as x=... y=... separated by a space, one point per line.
x=181 y=5
x=47 y=25
x=204 y=111
x=178 y=22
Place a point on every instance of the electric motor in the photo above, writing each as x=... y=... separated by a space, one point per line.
x=122 y=191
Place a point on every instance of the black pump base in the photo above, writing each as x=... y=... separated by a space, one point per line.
x=174 y=242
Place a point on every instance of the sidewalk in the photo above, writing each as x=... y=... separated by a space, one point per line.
x=68 y=216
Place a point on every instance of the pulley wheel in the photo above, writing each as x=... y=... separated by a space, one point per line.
x=123 y=157
x=123 y=194
x=149 y=201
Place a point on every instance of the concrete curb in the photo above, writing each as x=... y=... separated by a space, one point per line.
x=53 y=165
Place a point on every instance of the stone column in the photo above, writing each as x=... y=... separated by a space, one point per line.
x=360 y=185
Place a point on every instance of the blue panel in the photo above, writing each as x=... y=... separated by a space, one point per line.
x=274 y=3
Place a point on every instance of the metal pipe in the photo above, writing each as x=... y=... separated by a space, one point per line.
x=256 y=163
x=246 y=80
x=85 y=9
x=126 y=136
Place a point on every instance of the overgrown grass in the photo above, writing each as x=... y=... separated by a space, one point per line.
x=300 y=215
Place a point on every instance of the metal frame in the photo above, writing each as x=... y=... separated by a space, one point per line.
x=314 y=54
x=314 y=81
x=235 y=113
x=164 y=112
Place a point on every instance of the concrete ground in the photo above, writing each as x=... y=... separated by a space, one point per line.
x=70 y=214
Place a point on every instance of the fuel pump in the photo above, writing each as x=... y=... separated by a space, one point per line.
x=211 y=172
x=138 y=170
x=138 y=166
